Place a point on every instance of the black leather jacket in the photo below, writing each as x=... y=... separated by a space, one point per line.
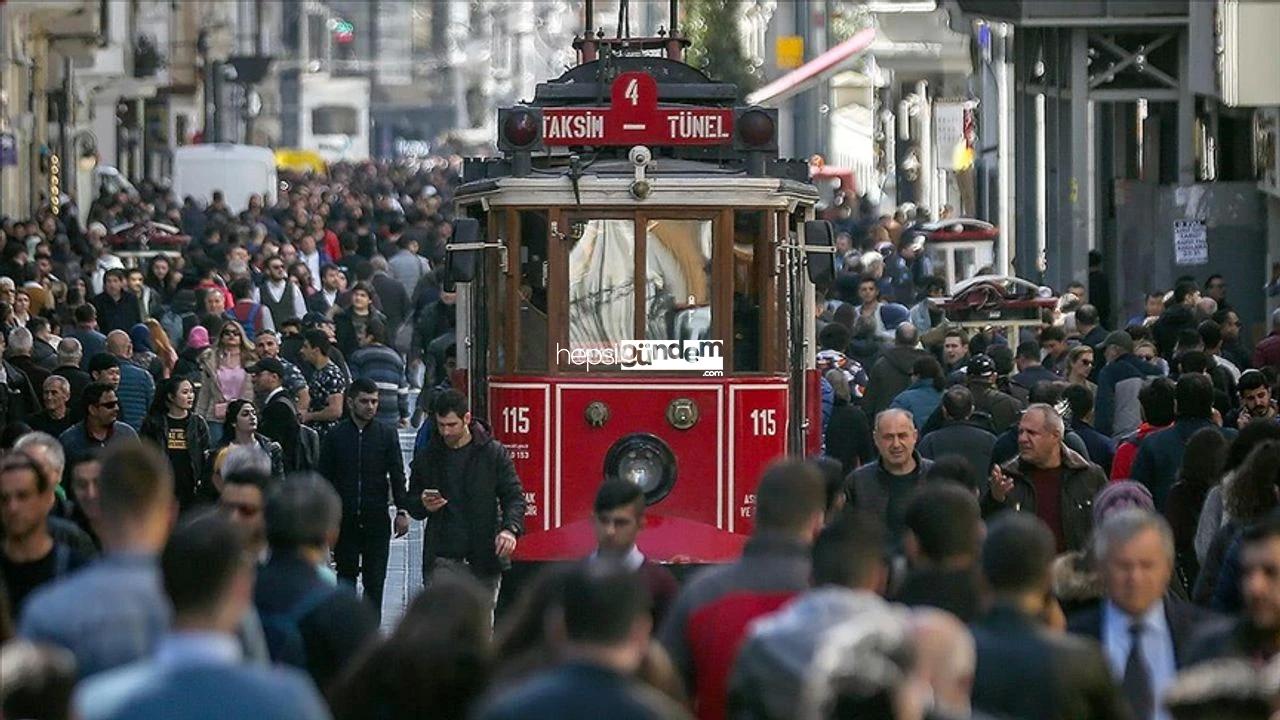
x=365 y=466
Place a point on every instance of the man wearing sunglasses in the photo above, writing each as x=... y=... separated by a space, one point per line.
x=100 y=426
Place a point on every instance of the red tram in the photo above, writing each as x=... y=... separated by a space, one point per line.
x=636 y=280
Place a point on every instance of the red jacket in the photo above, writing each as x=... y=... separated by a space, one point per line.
x=1127 y=452
x=330 y=245
x=1268 y=351
x=708 y=623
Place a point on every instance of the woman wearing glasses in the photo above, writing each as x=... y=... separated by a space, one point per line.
x=1080 y=366
x=240 y=429
x=223 y=377
x=182 y=434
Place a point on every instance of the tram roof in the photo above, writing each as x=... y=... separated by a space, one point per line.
x=672 y=182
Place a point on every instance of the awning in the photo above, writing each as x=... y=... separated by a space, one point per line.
x=805 y=76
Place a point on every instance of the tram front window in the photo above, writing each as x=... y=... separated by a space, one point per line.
x=602 y=285
x=678 y=280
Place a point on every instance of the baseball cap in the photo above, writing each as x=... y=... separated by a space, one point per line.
x=267 y=364
x=1120 y=339
x=980 y=366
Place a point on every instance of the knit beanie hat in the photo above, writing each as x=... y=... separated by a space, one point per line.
x=198 y=338
x=1123 y=495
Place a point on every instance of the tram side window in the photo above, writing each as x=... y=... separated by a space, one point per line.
x=533 y=291
x=601 y=288
x=748 y=229
x=678 y=280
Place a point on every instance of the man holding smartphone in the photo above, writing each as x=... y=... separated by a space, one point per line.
x=458 y=478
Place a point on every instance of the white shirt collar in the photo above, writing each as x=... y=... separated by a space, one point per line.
x=632 y=560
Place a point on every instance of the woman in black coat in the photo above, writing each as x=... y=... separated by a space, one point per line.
x=848 y=435
x=182 y=434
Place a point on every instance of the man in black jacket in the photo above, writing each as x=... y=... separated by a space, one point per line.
x=457 y=480
x=1024 y=670
x=361 y=457
x=279 y=414
x=960 y=434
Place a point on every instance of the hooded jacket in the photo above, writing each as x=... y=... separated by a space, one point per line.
x=769 y=674
x=1118 y=412
x=889 y=376
x=1081 y=480
x=1172 y=321
x=492 y=498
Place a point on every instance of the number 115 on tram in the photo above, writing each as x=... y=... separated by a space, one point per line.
x=636 y=298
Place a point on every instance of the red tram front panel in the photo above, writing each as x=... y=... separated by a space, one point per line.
x=560 y=441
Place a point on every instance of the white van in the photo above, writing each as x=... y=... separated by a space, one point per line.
x=237 y=170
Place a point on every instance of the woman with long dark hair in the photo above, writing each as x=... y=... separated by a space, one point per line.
x=436 y=664
x=1202 y=465
x=1254 y=493
x=240 y=428
x=182 y=434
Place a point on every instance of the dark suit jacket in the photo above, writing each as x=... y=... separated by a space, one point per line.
x=280 y=423
x=1025 y=672
x=1185 y=621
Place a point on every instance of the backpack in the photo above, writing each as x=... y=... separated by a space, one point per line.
x=283 y=632
x=307 y=455
x=306 y=452
x=250 y=323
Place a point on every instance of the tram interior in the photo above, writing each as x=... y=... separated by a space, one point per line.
x=599 y=298
x=677 y=282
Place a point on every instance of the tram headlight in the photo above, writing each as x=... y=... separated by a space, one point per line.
x=520 y=128
x=646 y=461
x=757 y=129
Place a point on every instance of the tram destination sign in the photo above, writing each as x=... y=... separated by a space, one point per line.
x=634 y=117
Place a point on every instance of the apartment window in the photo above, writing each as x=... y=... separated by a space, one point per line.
x=334 y=120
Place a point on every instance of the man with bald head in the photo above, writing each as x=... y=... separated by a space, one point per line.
x=891 y=374
x=884 y=487
x=1048 y=479
x=945 y=661
x=136 y=388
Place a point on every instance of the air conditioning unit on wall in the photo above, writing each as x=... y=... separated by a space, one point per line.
x=1248 y=64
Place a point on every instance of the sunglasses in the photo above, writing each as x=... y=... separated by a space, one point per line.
x=1085 y=362
x=112 y=405
x=230 y=333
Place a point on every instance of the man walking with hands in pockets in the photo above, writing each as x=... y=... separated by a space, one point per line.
x=458 y=478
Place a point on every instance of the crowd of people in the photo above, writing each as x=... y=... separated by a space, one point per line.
x=202 y=463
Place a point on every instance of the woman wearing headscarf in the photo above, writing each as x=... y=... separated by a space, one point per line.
x=144 y=355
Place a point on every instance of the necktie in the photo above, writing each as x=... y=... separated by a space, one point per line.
x=1137 y=679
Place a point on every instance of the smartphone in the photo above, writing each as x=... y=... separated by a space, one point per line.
x=431 y=492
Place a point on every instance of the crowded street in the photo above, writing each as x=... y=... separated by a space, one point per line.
x=577 y=359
